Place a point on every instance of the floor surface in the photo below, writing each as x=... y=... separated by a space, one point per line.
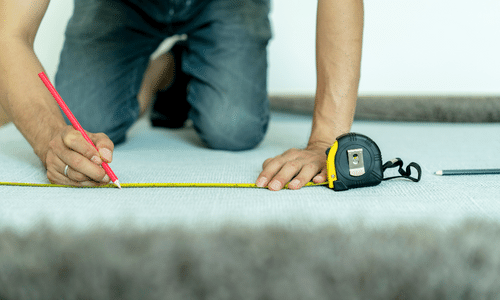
x=157 y=155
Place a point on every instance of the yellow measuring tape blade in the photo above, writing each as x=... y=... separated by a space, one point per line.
x=153 y=185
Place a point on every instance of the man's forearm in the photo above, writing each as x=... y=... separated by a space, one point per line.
x=24 y=97
x=339 y=36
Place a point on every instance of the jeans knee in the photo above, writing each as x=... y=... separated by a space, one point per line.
x=234 y=135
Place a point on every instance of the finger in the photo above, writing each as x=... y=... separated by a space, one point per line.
x=76 y=176
x=82 y=169
x=80 y=177
x=267 y=161
x=305 y=175
x=272 y=166
x=75 y=141
x=55 y=173
x=321 y=177
x=104 y=144
x=58 y=178
x=287 y=172
x=83 y=159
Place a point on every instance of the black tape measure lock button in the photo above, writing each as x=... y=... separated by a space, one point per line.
x=354 y=160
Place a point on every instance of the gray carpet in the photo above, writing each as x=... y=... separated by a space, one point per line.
x=213 y=243
x=247 y=263
x=475 y=109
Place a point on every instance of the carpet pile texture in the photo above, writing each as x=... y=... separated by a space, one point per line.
x=432 y=108
x=237 y=262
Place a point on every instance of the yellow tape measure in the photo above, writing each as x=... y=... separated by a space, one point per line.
x=153 y=185
x=353 y=161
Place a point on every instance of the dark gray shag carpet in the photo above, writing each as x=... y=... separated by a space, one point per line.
x=406 y=262
x=475 y=109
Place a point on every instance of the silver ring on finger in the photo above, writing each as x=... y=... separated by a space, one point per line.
x=66 y=170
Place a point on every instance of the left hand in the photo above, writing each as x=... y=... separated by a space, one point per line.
x=297 y=166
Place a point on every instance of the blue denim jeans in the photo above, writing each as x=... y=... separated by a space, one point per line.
x=107 y=48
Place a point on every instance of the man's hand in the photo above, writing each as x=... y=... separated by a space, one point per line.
x=339 y=36
x=297 y=166
x=70 y=148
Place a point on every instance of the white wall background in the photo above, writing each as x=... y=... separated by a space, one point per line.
x=410 y=47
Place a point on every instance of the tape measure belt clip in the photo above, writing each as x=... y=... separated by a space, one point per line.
x=355 y=160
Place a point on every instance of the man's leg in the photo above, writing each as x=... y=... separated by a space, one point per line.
x=226 y=58
x=102 y=64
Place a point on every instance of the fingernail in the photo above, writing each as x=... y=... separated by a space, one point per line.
x=275 y=185
x=106 y=154
x=96 y=160
x=294 y=184
x=106 y=179
x=261 y=182
x=318 y=179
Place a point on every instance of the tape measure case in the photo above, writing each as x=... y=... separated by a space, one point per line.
x=353 y=161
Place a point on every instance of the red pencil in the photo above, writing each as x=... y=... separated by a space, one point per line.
x=76 y=124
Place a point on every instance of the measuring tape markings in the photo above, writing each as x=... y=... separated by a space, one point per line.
x=153 y=185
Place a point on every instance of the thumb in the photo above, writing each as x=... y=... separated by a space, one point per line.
x=104 y=145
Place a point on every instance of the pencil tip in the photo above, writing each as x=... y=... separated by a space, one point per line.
x=439 y=173
x=118 y=184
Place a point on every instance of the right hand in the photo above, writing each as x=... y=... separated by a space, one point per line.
x=301 y=165
x=69 y=147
